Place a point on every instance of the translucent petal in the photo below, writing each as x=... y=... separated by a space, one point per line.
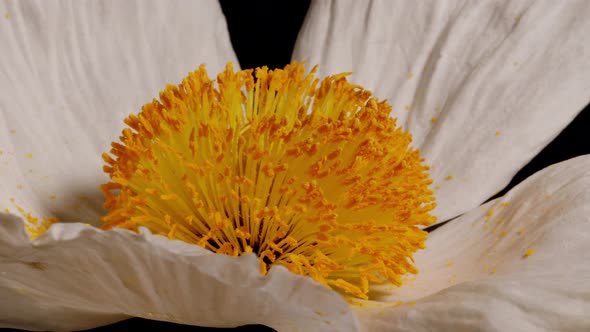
x=71 y=71
x=78 y=277
x=520 y=263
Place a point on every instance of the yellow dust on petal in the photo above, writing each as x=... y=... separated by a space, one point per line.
x=29 y=156
x=453 y=279
x=410 y=75
x=497 y=133
x=504 y=204
x=311 y=175
x=450 y=264
x=19 y=186
x=449 y=177
x=520 y=231
x=13 y=131
x=34 y=227
x=407 y=108
x=490 y=213
x=433 y=119
x=529 y=252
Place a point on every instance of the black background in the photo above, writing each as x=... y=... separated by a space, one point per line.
x=264 y=33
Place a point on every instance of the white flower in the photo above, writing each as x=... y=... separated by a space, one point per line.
x=482 y=87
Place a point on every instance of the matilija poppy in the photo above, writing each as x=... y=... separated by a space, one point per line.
x=481 y=87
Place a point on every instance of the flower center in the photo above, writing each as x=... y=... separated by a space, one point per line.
x=311 y=175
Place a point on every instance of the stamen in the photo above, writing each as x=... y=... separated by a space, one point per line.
x=312 y=175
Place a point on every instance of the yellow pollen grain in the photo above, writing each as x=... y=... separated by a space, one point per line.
x=497 y=133
x=504 y=204
x=19 y=186
x=410 y=75
x=7 y=210
x=29 y=156
x=13 y=131
x=7 y=16
x=529 y=252
x=503 y=233
x=493 y=270
x=310 y=174
x=450 y=264
x=521 y=231
x=449 y=177
x=408 y=107
x=433 y=119
x=52 y=197
x=1 y=152
x=437 y=187
x=34 y=226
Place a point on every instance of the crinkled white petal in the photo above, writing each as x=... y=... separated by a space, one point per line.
x=71 y=71
x=78 y=277
x=482 y=86
x=476 y=275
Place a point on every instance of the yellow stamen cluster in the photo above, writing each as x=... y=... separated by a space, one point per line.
x=312 y=175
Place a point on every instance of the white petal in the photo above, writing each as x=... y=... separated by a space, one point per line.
x=476 y=275
x=501 y=78
x=71 y=71
x=78 y=277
